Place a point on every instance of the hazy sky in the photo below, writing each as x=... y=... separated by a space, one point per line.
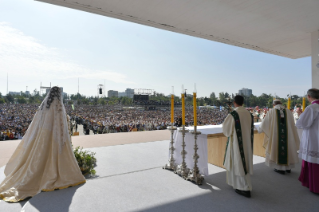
x=41 y=42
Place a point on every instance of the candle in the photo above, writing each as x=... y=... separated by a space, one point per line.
x=288 y=103
x=195 y=109
x=303 y=104
x=183 y=108
x=172 y=106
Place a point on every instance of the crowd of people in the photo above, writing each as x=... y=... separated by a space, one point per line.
x=113 y=120
x=15 y=120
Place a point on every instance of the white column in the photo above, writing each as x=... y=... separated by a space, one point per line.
x=315 y=59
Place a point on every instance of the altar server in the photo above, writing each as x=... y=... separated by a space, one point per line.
x=309 y=146
x=44 y=159
x=239 y=128
x=281 y=139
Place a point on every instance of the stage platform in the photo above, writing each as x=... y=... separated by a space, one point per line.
x=130 y=178
x=88 y=141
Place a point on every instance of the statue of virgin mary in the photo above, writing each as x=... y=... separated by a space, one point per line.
x=44 y=159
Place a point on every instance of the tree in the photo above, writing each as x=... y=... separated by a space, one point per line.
x=208 y=101
x=102 y=101
x=9 y=98
x=213 y=98
x=32 y=99
x=22 y=100
x=222 y=98
x=2 y=101
x=212 y=95
x=201 y=102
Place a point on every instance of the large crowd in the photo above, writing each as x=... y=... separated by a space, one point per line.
x=15 y=118
x=113 y=120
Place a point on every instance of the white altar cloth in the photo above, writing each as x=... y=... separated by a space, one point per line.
x=202 y=146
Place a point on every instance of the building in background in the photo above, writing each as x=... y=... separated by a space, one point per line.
x=122 y=94
x=129 y=92
x=245 y=92
x=14 y=93
x=112 y=93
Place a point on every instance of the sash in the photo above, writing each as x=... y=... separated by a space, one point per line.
x=240 y=138
x=282 y=139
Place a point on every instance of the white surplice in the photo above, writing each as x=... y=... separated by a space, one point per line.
x=236 y=176
x=309 y=122
x=270 y=127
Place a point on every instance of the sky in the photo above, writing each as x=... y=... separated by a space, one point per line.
x=44 y=43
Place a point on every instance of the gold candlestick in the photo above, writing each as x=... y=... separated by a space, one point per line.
x=194 y=174
x=171 y=165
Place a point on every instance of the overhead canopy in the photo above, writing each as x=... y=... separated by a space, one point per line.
x=277 y=27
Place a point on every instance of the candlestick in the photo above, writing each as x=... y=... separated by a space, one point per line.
x=171 y=165
x=303 y=104
x=182 y=169
x=194 y=174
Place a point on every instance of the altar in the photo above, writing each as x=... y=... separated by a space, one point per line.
x=211 y=146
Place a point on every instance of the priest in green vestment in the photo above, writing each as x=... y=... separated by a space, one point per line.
x=281 y=139
x=239 y=128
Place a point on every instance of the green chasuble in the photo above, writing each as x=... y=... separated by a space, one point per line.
x=282 y=138
x=240 y=138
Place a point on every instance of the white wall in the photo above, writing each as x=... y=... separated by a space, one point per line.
x=315 y=59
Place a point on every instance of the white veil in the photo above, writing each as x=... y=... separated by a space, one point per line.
x=51 y=116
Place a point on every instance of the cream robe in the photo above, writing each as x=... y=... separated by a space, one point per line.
x=235 y=171
x=44 y=159
x=270 y=127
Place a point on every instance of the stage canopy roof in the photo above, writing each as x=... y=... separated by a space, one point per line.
x=277 y=27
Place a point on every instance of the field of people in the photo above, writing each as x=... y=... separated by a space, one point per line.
x=15 y=118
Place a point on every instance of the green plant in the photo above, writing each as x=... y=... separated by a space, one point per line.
x=86 y=160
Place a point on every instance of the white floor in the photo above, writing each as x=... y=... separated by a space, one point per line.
x=130 y=178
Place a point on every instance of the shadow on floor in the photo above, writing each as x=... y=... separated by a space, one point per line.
x=271 y=192
x=58 y=200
